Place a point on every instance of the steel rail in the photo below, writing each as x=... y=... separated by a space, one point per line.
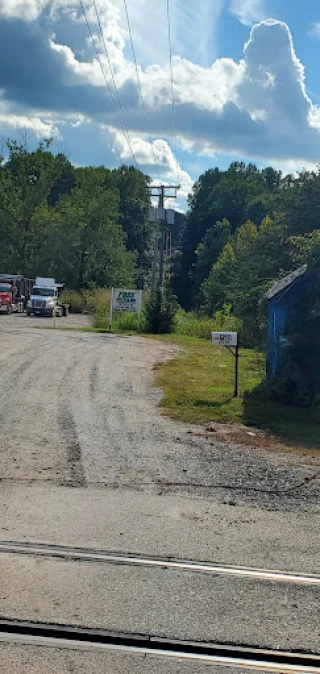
x=170 y=563
x=82 y=639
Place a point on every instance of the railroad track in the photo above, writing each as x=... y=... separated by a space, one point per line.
x=116 y=558
x=74 y=638
x=81 y=639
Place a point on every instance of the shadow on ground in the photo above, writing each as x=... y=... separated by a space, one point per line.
x=295 y=425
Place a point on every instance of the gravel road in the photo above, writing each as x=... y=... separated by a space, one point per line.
x=80 y=409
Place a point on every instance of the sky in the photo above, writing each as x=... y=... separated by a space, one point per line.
x=244 y=81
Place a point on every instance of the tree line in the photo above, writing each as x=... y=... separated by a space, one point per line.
x=245 y=229
x=86 y=227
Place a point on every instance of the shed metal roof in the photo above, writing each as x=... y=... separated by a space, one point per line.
x=286 y=282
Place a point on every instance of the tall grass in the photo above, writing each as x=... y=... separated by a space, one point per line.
x=87 y=301
x=196 y=326
x=126 y=322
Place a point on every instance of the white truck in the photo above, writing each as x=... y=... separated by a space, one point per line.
x=44 y=299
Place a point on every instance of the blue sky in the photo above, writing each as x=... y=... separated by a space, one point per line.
x=245 y=80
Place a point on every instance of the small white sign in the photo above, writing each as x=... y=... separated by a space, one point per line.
x=125 y=300
x=224 y=338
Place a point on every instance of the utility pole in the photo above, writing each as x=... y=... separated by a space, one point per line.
x=162 y=192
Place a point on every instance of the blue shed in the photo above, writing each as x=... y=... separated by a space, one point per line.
x=281 y=298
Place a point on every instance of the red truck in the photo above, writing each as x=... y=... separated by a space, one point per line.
x=14 y=292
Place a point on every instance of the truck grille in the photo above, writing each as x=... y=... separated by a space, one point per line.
x=38 y=304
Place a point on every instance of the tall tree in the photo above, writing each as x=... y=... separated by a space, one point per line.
x=208 y=252
x=135 y=220
x=250 y=262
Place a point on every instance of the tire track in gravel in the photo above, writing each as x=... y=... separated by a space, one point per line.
x=74 y=471
x=75 y=476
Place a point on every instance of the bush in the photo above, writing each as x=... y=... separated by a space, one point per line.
x=159 y=314
x=291 y=386
x=202 y=326
x=87 y=301
x=75 y=301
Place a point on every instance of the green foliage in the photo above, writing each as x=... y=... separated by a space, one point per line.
x=239 y=194
x=88 y=227
x=301 y=202
x=134 y=208
x=291 y=386
x=87 y=301
x=249 y=263
x=159 y=313
x=193 y=325
x=208 y=252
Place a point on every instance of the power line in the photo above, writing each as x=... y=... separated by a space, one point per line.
x=140 y=87
x=174 y=120
x=120 y=115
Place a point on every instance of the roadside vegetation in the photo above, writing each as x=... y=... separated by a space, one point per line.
x=198 y=388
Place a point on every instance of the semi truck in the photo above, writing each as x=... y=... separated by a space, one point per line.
x=14 y=292
x=44 y=299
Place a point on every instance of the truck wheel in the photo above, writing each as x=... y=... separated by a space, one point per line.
x=28 y=312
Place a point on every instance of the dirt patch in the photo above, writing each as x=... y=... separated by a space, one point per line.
x=253 y=437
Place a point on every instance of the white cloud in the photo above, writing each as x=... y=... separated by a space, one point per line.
x=314 y=31
x=158 y=156
x=41 y=127
x=248 y=11
x=27 y=10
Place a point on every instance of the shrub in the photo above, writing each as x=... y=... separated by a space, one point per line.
x=88 y=301
x=202 y=326
x=75 y=301
x=159 y=314
x=291 y=386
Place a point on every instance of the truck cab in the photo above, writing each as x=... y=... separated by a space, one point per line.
x=44 y=299
x=6 y=297
x=10 y=299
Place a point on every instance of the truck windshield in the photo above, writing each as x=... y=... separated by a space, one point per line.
x=5 y=288
x=43 y=292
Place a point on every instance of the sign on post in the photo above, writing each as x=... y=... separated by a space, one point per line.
x=229 y=340
x=125 y=300
x=224 y=338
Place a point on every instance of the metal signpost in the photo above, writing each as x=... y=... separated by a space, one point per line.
x=230 y=341
x=125 y=300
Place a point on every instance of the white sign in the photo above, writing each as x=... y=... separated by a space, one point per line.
x=125 y=300
x=224 y=338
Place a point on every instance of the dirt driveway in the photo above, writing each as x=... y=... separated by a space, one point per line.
x=80 y=409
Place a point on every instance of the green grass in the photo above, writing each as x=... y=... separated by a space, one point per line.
x=192 y=325
x=198 y=387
